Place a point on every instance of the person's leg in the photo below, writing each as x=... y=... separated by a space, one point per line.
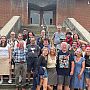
x=29 y=67
x=1 y=81
x=66 y=87
x=10 y=76
x=88 y=83
x=50 y=87
x=17 y=73
x=39 y=85
x=87 y=78
x=60 y=80
x=35 y=61
x=59 y=87
x=66 y=83
x=23 y=74
x=34 y=83
x=45 y=80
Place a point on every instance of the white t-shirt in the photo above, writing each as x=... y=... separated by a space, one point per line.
x=4 y=51
x=15 y=46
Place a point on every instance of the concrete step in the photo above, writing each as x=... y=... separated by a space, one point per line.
x=36 y=29
x=13 y=86
x=5 y=85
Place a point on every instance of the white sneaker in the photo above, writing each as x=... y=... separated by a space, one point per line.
x=1 y=81
x=9 y=81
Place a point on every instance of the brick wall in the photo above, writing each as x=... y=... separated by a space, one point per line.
x=78 y=9
x=9 y=8
x=5 y=14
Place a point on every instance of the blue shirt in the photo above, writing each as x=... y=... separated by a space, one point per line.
x=63 y=64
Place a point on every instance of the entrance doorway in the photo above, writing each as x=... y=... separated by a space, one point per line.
x=42 y=12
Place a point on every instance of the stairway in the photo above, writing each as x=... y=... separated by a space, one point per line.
x=36 y=29
x=6 y=86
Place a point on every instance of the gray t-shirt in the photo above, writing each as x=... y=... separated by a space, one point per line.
x=57 y=37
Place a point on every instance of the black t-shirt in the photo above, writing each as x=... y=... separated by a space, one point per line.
x=63 y=64
x=87 y=60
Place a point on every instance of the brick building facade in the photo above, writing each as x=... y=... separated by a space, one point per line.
x=9 y=8
x=79 y=9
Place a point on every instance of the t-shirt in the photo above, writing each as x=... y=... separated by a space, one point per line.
x=87 y=60
x=64 y=63
x=33 y=50
x=58 y=37
x=4 y=51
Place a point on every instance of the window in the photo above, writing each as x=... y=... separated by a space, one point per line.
x=50 y=21
x=31 y=20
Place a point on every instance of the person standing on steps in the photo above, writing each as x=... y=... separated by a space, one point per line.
x=20 y=64
x=64 y=67
x=5 y=59
x=32 y=60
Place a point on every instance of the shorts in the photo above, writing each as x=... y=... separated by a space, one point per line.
x=64 y=80
x=43 y=72
x=87 y=73
x=41 y=76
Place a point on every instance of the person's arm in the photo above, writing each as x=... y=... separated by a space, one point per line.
x=72 y=68
x=83 y=42
x=72 y=64
x=9 y=50
x=38 y=50
x=82 y=70
x=14 y=54
x=52 y=39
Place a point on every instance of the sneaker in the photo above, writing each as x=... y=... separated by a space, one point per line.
x=9 y=81
x=1 y=81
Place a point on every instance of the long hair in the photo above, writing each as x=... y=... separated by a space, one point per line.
x=5 y=44
x=28 y=38
x=54 y=52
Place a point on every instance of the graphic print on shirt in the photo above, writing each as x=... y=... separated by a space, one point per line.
x=63 y=61
x=32 y=50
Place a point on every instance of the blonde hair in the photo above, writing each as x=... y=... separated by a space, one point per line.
x=54 y=49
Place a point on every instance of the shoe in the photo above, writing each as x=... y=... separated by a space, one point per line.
x=1 y=81
x=9 y=81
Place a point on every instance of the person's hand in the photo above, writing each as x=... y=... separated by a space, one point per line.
x=44 y=68
x=9 y=62
x=79 y=76
x=71 y=73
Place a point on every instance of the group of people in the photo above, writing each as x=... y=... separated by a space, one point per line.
x=62 y=61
